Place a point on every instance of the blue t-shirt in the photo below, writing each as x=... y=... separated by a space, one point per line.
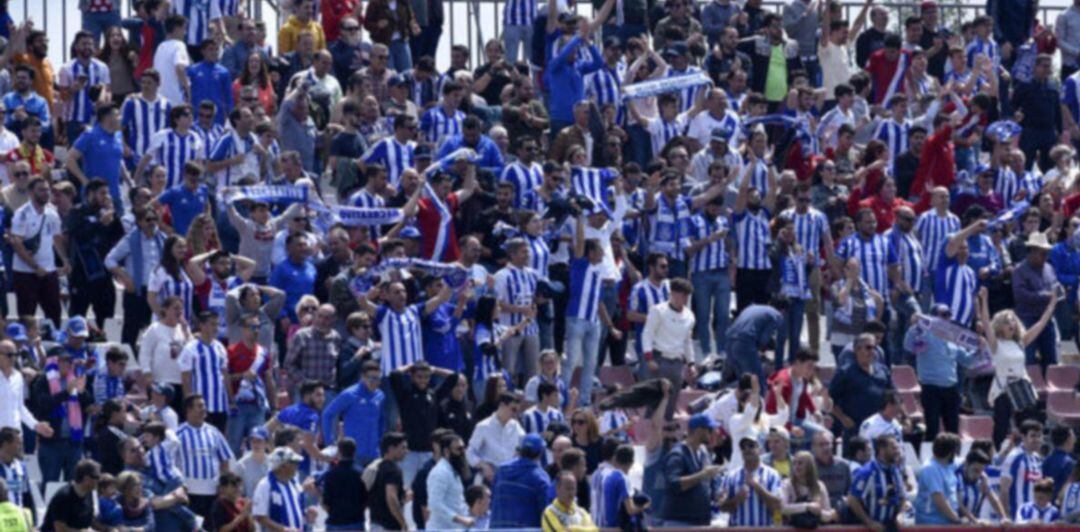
x=102 y=154
x=184 y=205
x=615 y=492
x=304 y=418
x=441 y=348
x=296 y=280
x=936 y=478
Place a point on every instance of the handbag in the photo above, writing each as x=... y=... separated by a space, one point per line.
x=33 y=243
x=1021 y=394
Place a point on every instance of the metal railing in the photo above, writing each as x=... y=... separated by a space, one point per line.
x=468 y=22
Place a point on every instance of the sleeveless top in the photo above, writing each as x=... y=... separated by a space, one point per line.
x=1009 y=363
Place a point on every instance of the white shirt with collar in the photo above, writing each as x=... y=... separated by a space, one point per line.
x=13 y=392
x=494 y=442
x=669 y=332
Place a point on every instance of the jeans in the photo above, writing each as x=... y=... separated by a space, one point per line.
x=544 y=320
x=521 y=356
x=787 y=337
x=898 y=329
x=942 y=407
x=582 y=349
x=712 y=308
x=58 y=456
x=751 y=286
x=1066 y=318
x=677 y=268
x=640 y=145
x=400 y=55
x=412 y=463
x=241 y=420
x=609 y=298
x=743 y=357
x=669 y=369
x=97 y=23
x=427 y=43
x=513 y=36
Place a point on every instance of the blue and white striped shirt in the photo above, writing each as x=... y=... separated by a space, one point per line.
x=436 y=125
x=753 y=512
x=209 y=137
x=971 y=492
x=230 y=145
x=759 y=177
x=207 y=364
x=539 y=255
x=605 y=88
x=535 y=421
x=585 y=283
x=1006 y=185
x=809 y=227
x=689 y=94
x=286 y=501
x=895 y=135
x=828 y=131
x=140 y=119
x=173 y=150
x=202 y=449
x=165 y=285
x=591 y=182
x=669 y=226
x=713 y=256
x=794 y=282
x=955 y=286
x=199 y=14
x=645 y=295
x=16 y=480
x=934 y=230
x=874 y=256
x=80 y=108
x=402 y=343
x=395 y=156
x=517 y=287
x=752 y=239
x=1070 y=498
x=365 y=199
x=524 y=178
x=1032 y=183
x=909 y=254
x=880 y=489
x=519 y=13
x=1025 y=469
x=1030 y=513
x=978 y=47
x=661 y=132
x=162 y=468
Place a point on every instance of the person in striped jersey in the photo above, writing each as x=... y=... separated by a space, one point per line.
x=203 y=454
x=893 y=130
x=1041 y=511
x=201 y=15
x=828 y=129
x=209 y=131
x=933 y=228
x=237 y=153
x=75 y=80
x=813 y=235
x=955 y=282
x=974 y=485
x=395 y=153
x=877 y=488
x=537 y=418
x=677 y=55
x=871 y=250
x=1022 y=469
x=753 y=492
x=445 y=119
x=750 y=220
x=144 y=114
x=12 y=468
x=647 y=293
x=669 y=124
x=711 y=273
x=518 y=17
x=525 y=173
x=584 y=313
x=173 y=147
x=399 y=322
x=515 y=289
x=1069 y=501
x=278 y=501
x=203 y=365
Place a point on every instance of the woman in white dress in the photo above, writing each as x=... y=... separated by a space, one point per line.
x=1007 y=338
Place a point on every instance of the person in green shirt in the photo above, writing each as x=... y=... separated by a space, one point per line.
x=12 y=518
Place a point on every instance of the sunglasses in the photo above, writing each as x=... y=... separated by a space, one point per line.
x=21 y=174
x=578 y=422
x=308 y=308
x=350 y=28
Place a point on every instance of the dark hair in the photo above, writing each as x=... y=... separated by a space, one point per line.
x=285 y=436
x=474 y=493
x=471 y=122
x=95 y=185
x=976 y=456
x=545 y=389
x=174 y=21
x=485 y=310
x=624 y=455
x=452 y=86
x=309 y=387
x=176 y=112
x=571 y=458
x=346 y=448
x=875 y=327
x=1059 y=435
x=681 y=286
x=206 y=316
x=189 y=402
x=1030 y=425
x=508 y=398
x=228 y=478
x=86 y=468
x=770 y=18
x=115 y=354
x=8 y=435
x=390 y=439
x=155 y=429
x=946 y=445
x=103 y=111
x=857 y=444
x=893 y=40
x=804 y=354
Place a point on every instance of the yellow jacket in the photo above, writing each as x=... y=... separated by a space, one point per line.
x=290 y=33
x=558 y=518
x=13 y=518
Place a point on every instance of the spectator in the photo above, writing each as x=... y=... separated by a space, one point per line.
x=563 y=513
x=60 y=398
x=1021 y=471
x=73 y=505
x=938 y=500
x=858 y=390
x=689 y=476
x=974 y=484
x=877 y=489
x=278 y=499
x=520 y=487
x=204 y=454
x=936 y=361
x=343 y=490
x=445 y=490
x=299 y=22
x=1059 y=464
x=496 y=437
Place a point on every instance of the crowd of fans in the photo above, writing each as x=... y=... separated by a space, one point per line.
x=361 y=289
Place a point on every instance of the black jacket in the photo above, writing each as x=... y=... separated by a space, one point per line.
x=46 y=406
x=90 y=241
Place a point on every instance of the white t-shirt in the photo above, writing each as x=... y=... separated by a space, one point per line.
x=703 y=124
x=159 y=352
x=8 y=142
x=27 y=223
x=835 y=67
x=169 y=55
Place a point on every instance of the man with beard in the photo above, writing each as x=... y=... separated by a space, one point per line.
x=750 y=218
x=347 y=51
x=30 y=47
x=93 y=229
x=446 y=495
x=76 y=79
x=22 y=102
x=877 y=488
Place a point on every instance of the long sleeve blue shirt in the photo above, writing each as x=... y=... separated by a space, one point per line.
x=211 y=81
x=490 y=157
x=566 y=81
x=936 y=359
x=361 y=411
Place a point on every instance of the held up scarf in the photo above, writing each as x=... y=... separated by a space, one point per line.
x=70 y=408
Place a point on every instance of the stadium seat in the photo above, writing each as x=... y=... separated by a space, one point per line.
x=905 y=379
x=621 y=376
x=976 y=427
x=686 y=397
x=1037 y=380
x=1062 y=377
x=1063 y=407
x=909 y=401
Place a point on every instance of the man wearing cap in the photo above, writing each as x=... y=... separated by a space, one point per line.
x=520 y=487
x=1033 y=284
x=689 y=476
x=253 y=466
x=399 y=102
x=60 y=398
x=278 y=501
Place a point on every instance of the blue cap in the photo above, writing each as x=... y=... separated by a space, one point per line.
x=532 y=443
x=162 y=389
x=15 y=331
x=701 y=421
x=77 y=326
x=260 y=433
x=409 y=232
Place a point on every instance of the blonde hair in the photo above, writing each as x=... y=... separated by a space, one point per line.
x=810 y=479
x=1003 y=318
x=307 y=300
x=590 y=422
x=198 y=243
x=126 y=481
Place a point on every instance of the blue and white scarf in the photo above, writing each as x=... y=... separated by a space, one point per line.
x=455 y=275
x=654 y=87
x=1003 y=130
x=366 y=216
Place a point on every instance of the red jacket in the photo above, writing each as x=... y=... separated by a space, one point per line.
x=783 y=378
x=937 y=166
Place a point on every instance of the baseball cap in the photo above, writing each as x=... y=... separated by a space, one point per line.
x=721 y=134
x=701 y=421
x=162 y=389
x=612 y=42
x=395 y=80
x=15 y=331
x=260 y=433
x=422 y=151
x=409 y=232
x=532 y=443
x=77 y=327
x=282 y=456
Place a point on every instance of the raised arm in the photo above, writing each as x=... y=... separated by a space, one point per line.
x=579 y=235
x=1033 y=332
x=953 y=245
